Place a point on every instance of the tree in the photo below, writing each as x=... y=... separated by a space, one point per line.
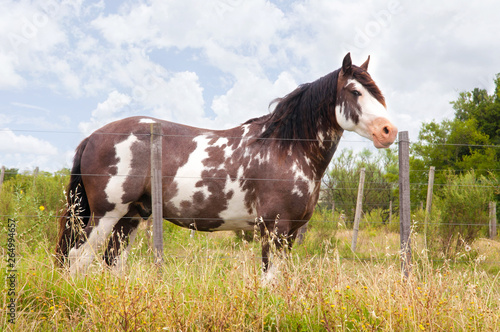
x=477 y=104
x=341 y=181
x=450 y=145
x=10 y=173
x=456 y=145
x=469 y=141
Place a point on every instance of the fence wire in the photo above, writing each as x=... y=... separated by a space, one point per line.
x=214 y=133
x=339 y=185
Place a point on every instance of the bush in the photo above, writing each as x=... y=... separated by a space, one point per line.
x=34 y=203
x=380 y=219
x=463 y=211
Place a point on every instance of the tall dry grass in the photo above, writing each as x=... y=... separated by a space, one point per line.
x=214 y=283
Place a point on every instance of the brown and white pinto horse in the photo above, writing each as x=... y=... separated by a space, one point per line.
x=234 y=179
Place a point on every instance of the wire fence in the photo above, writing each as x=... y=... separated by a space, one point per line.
x=339 y=185
x=214 y=133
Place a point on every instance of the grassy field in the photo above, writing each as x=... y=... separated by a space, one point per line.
x=213 y=282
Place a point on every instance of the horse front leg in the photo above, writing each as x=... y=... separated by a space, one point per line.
x=275 y=237
x=266 y=237
x=266 y=246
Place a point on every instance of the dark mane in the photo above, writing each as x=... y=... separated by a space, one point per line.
x=299 y=116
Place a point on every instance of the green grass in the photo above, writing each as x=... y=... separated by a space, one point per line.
x=213 y=282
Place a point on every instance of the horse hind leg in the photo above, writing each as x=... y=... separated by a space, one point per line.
x=97 y=232
x=124 y=233
x=120 y=243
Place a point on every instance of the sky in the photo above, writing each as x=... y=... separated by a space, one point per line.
x=69 y=67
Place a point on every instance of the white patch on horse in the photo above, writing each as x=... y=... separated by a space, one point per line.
x=236 y=216
x=81 y=258
x=369 y=104
x=221 y=141
x=191 y=172
x=297 y=191
x=262 y=157
x=115 y=188
x=300 y=176
x=346 y=124
x=246 y=129
x=321 y=138
x=145 y=120
x=228 y=151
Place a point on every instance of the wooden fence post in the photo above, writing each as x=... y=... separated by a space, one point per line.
x=301 y=233
x=156 y=190
x=428 y=203
x=359 y=209
x=404 y=201
x=2 y=174
x=390 y=212
x=35 y=175
x=493 y=220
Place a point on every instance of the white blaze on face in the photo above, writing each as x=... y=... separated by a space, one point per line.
x=373 y=118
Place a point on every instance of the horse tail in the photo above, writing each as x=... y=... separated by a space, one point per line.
x=77 y=212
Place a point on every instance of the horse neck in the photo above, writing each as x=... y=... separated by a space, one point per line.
x=328 y=132
x=303 y=124
x=326 y=145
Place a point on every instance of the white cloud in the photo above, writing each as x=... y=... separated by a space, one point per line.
x=192 y=23
x=109 y=110
x=9 y=78
x=12 y=143
x=179 y=99
x=237 y=56
x=249 y=98
x=26 y=151
x=29 y=32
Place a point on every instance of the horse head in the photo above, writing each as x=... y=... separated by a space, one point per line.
x=360 y=106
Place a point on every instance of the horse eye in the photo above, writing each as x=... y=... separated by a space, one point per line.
x=356 y=93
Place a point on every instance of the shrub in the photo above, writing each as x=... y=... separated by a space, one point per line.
x=34 y=203
x=464 y=211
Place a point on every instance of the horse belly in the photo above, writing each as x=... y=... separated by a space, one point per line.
x=238 y=215
x=212 y=210
x=206 y=191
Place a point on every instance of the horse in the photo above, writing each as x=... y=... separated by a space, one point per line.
x=264 y=174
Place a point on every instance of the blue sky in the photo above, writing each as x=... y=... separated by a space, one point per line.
x=69 y=67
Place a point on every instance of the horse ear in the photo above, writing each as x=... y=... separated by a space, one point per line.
x=347 y=64
x=364 y=66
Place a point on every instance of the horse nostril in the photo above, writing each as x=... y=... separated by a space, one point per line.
x=386 y=130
